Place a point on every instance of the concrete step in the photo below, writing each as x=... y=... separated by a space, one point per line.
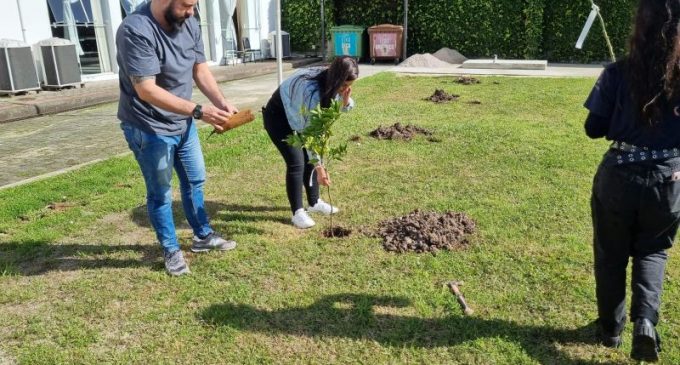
x=506 y=64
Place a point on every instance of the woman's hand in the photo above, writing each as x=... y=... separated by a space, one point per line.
x=322 y=176
x=345 y=94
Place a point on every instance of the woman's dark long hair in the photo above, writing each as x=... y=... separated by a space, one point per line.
x=331 y=79
x=653 y=63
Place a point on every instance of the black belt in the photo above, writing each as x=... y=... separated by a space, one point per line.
x=626 y=153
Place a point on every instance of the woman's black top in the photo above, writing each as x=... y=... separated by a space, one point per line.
x=613 y=116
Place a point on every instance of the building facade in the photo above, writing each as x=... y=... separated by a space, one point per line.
x=92 y=24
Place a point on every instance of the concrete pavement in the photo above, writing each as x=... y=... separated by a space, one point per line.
x=39 y=147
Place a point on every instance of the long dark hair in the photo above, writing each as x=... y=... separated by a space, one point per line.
x=653 y=62
x=331 y=79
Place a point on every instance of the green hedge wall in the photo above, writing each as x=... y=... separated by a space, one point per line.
x=479 y=28
x=369 y=12
x=565 y=19
x=302 y=19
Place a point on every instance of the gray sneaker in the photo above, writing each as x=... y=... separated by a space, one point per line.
x=212 y=242
x=175 y=264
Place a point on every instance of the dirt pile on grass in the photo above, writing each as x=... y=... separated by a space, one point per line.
x=424 y=60
x=399 y=131
x=441 y=96
x=467 y=80
x=426 y=232
x=450 y=55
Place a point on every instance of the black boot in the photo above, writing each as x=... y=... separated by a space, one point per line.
x=646 y=341
x=608 y=338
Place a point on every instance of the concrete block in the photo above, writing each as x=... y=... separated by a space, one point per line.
x=506 y=64
x=11 y=111
x=72 y=102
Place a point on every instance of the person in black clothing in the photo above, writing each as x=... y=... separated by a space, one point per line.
x=636 y=191
x=283 y=115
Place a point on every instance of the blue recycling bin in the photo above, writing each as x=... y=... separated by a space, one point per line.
x=347 y=40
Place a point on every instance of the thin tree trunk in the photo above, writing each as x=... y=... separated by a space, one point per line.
x=330 y=201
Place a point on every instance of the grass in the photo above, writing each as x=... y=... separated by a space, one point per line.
x=86 y=284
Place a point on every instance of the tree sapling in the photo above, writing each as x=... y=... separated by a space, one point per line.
x=316 y=138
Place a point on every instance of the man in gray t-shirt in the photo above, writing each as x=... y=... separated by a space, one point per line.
x=160 y=53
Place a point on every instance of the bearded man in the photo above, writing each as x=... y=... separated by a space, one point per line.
x=160 y=53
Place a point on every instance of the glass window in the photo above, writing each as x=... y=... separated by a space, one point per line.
x=129 y=6
x=81 y=10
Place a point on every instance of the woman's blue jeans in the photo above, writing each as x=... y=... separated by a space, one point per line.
x=156 y=156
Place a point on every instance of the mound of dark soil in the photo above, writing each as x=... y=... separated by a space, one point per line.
x=399 y=131
x=467 y=80
x=426 y=232
x=336 y=232
x=441 y=96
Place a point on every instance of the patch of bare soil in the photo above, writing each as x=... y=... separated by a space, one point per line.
x=426 y=232
x=441 y=96
x=336 y=232
x=399 y=131
x=467 y=80
x=60 y=206
x=5 y=359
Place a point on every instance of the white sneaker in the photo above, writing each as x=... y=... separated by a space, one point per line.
x=302 y=220
x=323 y=208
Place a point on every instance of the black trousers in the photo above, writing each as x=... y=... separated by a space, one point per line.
x=635 y=211
x=298 y=170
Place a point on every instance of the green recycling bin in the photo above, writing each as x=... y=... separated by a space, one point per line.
x=347 y=40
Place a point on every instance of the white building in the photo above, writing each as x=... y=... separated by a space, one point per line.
x=92 y=25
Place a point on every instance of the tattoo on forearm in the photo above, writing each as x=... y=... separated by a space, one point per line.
x=138 y=79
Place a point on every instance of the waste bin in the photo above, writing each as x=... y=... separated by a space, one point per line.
x=385 y=41
x=347 y=40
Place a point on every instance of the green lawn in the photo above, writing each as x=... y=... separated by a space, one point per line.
x=85 y=284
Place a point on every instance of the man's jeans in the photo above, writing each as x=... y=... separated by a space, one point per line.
x=157 y=155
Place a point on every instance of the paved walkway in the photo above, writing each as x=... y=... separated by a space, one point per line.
x=38 y=147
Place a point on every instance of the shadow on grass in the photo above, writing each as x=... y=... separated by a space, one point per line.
x=354 y=316
x=38 y=257
x=222 y=217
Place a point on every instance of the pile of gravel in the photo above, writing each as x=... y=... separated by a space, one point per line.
x=424 y=60
x=426 y=232
x=450 y=55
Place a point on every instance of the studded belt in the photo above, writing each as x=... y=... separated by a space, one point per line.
x=627 y=153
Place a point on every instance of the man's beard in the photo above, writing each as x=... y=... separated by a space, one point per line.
x=174 y=21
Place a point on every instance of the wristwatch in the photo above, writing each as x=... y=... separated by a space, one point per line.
x=198 y=112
